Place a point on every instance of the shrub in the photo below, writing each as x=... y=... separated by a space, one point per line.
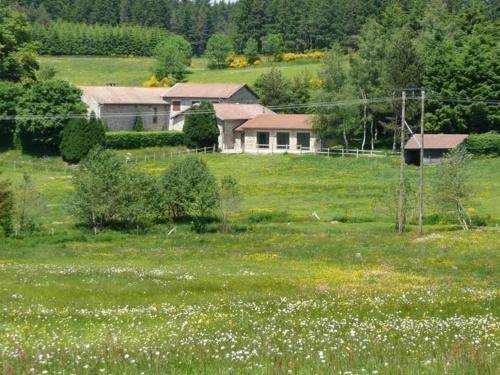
x=251 y=50
x=173 y=58
x=201 y=129
x=79 y=137
x=6 y=207
x=133 y=140
x=238 y=62
x=189 y=191
x=108 y=195
x=219 y=48
x=46 y=105
x=9 y=98
x=138 y=125
x=312 y=55
x=165 y=82
x=484 y=144
x=28 y=206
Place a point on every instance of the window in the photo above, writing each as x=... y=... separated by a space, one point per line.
x=262 y=140
x=155 y=115
x=176 y=105
x=304 y=140
x=195 y=102
x=283 y=140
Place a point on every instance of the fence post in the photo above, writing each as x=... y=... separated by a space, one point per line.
x=357 y=153
x=342 y=152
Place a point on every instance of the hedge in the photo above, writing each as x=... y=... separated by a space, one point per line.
x=132 y=140
x=484 y=144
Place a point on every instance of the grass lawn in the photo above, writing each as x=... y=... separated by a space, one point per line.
x=133 y=71
x=287 y=294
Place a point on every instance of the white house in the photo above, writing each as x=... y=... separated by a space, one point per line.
x=118 y=107
x=277 y=133
x=183 y=96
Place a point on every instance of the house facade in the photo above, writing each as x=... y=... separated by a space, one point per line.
x=119 y=107
x=270 y=133
x=436 y=146
x=183 y=96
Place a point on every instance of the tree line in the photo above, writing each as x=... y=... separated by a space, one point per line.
x=63 y=38
x=303 y=24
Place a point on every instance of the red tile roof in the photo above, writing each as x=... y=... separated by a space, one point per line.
x=436 y=141
x=229 y=111
x=204 y=90
x=285 y=122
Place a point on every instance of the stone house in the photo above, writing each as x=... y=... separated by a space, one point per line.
x=435 y=147
x=118 y=107
x=183 y=96
x=277 y=134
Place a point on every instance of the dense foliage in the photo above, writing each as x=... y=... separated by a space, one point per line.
x=6 y=208
x=108 y=194
x=201 y=128
x=134 y=140
x=219 y=47
x=64 y=38
x=484 y=144
x=79 y=137
x=17 y=53
x=302 y=24
x=173 y=58
x=44 y=110
x=189 y=191
x=9 y=99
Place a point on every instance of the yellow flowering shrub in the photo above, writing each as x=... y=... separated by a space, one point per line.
x=154 y=82
x=312 y=55
x=239 y=62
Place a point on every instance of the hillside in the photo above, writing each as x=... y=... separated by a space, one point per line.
x=287 y=292
x=133 y=71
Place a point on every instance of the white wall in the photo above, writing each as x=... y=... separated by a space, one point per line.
x=251 y=139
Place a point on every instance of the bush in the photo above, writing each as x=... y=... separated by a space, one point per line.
x=484 y=144
x=138 y=125
x=219 y=48
x=201 y=129
x=189 y=191
x=108 y=195
x=9 y=99
x=79 y=137
x=133 y=140
x=238 y=62
x=6 y=208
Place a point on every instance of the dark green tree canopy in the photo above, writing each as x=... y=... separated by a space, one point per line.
x=44 y=110
x=17 y=53
x=79 y=137
x=201 y=128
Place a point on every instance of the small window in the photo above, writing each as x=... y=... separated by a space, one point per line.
x=155 y=115
x=304 y=141
x=262 y=140
x=283 y=140
x=176 y=105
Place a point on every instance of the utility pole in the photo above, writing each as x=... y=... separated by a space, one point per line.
x=421 y=187
x=402 y=192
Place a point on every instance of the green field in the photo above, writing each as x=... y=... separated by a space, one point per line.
x=133 y=71
x=287 y=293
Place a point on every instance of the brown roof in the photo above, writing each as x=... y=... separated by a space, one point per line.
x=288 y=122
x=226 y=111
x=123 y=95
x=204 y=90
x=436 y=141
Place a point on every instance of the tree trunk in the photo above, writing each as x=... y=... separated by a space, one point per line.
x=346 y=141
x=364 y=121
x=372 y=135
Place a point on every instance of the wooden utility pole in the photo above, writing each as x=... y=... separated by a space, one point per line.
x=421 y=182
x=402 y=192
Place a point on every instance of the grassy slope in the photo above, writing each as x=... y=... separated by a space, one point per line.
x=267 y=300
x=134 y=71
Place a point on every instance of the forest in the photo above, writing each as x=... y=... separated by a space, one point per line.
x=304 y=24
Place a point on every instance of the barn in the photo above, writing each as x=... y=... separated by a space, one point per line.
x=435 y=147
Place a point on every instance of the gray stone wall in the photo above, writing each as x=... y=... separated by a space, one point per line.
x=121 y=117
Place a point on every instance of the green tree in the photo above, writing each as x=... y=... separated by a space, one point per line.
x=6 y=208
x=173 y=58
x=452 y=188
x=273 y=45
x=17 y=53
x=201 y=128
x=274 y=89
x=189 y=191
x=79 y=137
x=251 y=50
x=9 y=100
x=45 y=108
x=219 y=47
x=230 y=200
x=108 y=195
x=28 y=206
x=138 y=124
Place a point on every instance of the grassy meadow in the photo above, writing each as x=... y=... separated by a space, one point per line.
x=133 y=71
x=285 y=293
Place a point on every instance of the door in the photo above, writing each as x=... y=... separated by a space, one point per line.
x=262 y=139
